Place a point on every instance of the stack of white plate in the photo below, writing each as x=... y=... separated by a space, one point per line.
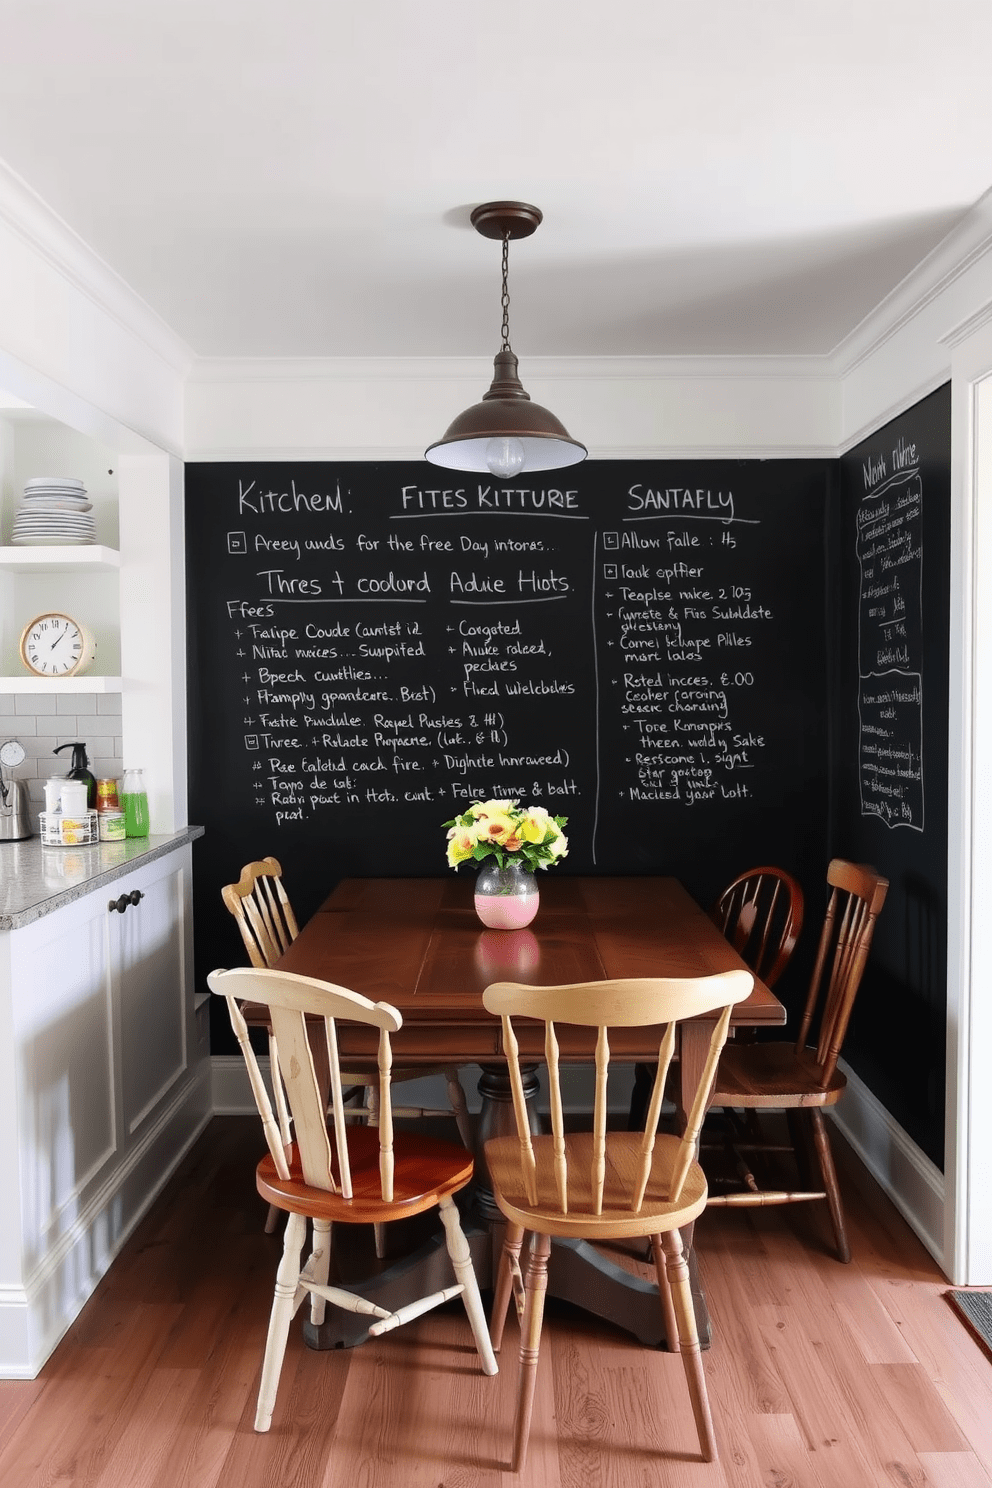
x=54 y=511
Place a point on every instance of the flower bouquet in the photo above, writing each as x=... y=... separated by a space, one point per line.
x=508 y=832
x=518 y=839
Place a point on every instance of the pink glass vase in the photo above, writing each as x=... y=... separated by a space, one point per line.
x=506 y=898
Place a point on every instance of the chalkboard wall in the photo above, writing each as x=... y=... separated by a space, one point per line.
x=639 y=646
x=891 y=713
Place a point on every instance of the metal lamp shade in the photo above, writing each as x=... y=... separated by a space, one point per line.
x=506 y=412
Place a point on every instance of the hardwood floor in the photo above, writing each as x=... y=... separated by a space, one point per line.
x=820 y=1376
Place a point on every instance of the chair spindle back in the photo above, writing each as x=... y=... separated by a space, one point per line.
x=636 y=1002
x=262 y=909
x=857 y=895
x=761 y=914
x=302 y=1009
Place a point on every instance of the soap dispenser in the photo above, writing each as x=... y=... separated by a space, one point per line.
x=80 y=771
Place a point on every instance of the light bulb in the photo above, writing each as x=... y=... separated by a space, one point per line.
x=505 y=456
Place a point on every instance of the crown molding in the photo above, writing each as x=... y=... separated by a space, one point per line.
x=968 y=243
x=234 y=370
x=218 y=454
x=46 y=234
x=892 y=410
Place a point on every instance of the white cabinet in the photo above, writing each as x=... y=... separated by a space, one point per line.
x=104 y=1084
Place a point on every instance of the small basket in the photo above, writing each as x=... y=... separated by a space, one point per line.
x=69 y=831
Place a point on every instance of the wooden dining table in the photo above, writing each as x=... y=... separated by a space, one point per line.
x=417 y=943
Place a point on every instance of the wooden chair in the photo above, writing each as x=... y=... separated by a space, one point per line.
x=367 y=1175
x=602 y=1185
x=761 y=914
x=259 y=903
x=798 y=1077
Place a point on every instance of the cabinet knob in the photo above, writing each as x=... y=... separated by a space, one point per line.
x=122 y=903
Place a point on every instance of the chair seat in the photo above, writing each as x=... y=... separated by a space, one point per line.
x=616 y=1221
x=774 y=1076
x=426 y=1170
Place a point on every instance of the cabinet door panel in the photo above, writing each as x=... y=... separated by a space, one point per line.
x=64 y=1033
x=150 y=992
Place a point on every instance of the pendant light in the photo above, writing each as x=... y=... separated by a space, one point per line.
x=506 y=434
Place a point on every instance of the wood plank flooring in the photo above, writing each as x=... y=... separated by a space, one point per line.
x=820 y=1375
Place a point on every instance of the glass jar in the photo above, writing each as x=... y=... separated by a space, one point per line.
x=506 y=898
x=107 y=798
x=134 y=799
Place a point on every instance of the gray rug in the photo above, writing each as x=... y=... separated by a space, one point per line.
x=976 y=1309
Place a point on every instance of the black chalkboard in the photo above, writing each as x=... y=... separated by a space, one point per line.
x=639 y=646
x=890 y=709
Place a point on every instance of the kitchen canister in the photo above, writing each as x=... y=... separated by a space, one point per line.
x=111 y=826
x=72 y=799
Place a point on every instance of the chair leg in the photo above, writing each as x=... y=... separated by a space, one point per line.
x=272 y=1219
x=674 y=1263
x=320 y=1267
x=461 y=1260
x=665 y=1294
x=825 y=1156
x=459 y=1105
x=536 y=1283
x=283 y=1309
x=509 y=1264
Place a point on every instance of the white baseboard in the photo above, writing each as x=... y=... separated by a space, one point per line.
x=910 y=1179
x=35 y=1315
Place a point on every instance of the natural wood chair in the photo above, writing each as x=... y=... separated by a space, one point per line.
x=798 y=1077
x=259 y=903
x=602 y=1185
x=761 y=914
x=364 y=1175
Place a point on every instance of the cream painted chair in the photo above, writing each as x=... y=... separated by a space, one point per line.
x=361 y=1175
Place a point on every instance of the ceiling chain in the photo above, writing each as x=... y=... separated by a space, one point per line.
x=505 y=301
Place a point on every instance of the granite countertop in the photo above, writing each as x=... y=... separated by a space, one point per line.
x=37 y=880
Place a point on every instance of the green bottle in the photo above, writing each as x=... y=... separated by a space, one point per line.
x=134 y=800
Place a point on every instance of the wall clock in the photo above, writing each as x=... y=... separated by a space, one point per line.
x=56 y=645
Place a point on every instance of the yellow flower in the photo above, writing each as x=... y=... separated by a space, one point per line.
x=491 y=808
x=534 y=827
x=461 y=845
x=496 y=826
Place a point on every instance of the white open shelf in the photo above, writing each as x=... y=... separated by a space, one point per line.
x=69 y=559
x=52 y=685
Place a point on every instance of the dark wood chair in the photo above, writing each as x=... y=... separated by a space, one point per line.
x=761 y=914
x=365 y=1175
x=600 y=1185
x=802 y=1078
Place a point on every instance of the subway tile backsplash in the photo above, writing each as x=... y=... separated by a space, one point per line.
x=40 y=724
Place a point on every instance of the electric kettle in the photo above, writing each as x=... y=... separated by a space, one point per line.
x=15 y=824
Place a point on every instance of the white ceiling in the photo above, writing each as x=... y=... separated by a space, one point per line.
x=729 y=177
